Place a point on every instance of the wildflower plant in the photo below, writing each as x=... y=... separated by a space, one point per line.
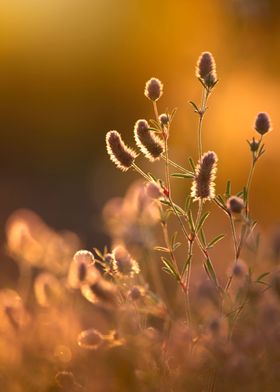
x=104 y=323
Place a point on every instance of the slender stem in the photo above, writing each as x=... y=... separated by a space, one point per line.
x=236 y=252
x=165 y=134
x=234 y=236
x=143 y=174
x=248 y=186
x=205 y=94
x=256 y=156
x=179 y=167
x=156 y=110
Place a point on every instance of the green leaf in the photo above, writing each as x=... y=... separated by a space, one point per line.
x=187 y=263
x=202 y=221
x=202 y=237
x=221 y=200
x=152 y=177
x=196 y=109
x=161 y=249
x=192 y=164
x=183 y=175
x=245 y=194
x=187 y=204
x=259 y=278
x=210 y=271
x=215 y=240
x=190 y=219
x=176 y=245
x=169 y=266
x=177 y=208
x=228 y=189
x=173 y=238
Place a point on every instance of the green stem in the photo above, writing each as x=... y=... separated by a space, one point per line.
x=205 y=94
x=143 y=174
x=181 y=168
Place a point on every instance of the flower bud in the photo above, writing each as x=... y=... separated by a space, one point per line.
x=206 y=69
x=235 y=204
x=164 y=119
x=262 y=123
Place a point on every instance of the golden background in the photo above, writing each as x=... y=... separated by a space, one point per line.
x=72 y=70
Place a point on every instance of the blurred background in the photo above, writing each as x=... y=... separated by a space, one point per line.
x=70 y=70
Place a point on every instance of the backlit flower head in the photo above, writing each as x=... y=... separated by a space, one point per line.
x=119 y=152
x=206 y=69
x=149 y=143
x=153 y=89
x=203 y=186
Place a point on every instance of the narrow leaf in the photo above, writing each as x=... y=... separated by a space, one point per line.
x=215 y=240
x=192 y=164
x=161 y=249
x=183 y=175
x=168 y=264
x=210 y=271
x=202 y=221
x=194 y=106
x=228 y=189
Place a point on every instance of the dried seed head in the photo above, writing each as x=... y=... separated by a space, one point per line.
x=119 y=153
x=206 y=69
x=150 y=144
x=262 y=123
x=123 y=263
x=203 y=186
x=153 y=89
x=235 y=204
x=153 y=190
x=82 y=269
x=164 y=119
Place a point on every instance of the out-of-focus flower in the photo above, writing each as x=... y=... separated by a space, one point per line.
x=123 y=263
x=82 y=269
x=131 y=220
x=48 y=290
x=31 y=241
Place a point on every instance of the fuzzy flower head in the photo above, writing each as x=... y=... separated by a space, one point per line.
x=235 y=204
x=262 y=123
x=119 y=153
x=123 y=263
x=206 y=69
x=203 y=186
x=82 y=269
x=149 y=144
x=164 y=119
x=153 y=89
